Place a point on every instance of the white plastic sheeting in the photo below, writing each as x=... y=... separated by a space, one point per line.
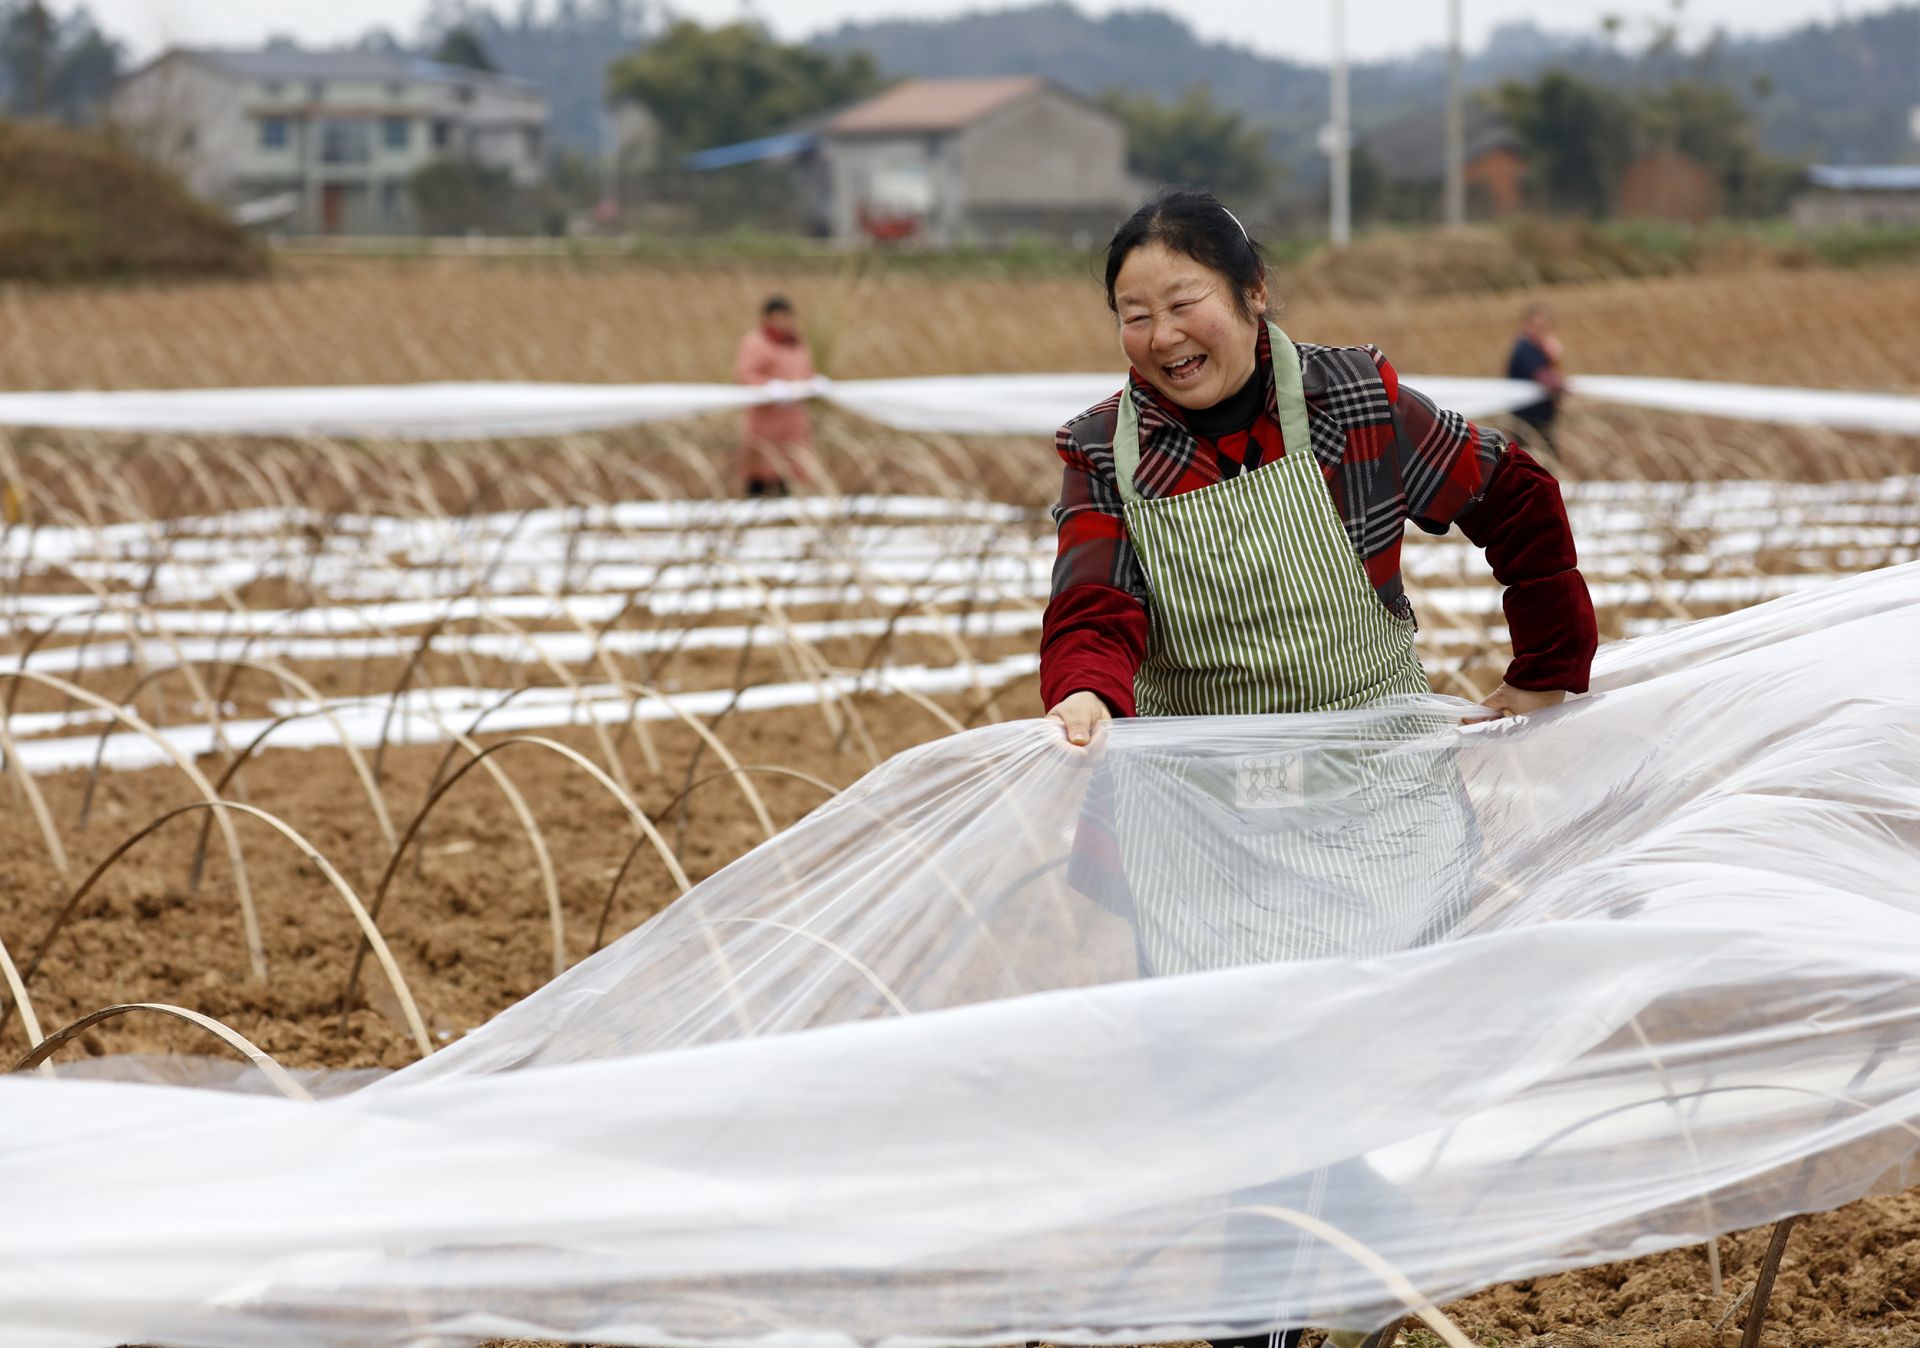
x=449 y=411
x=1031 y=404
x=1842 y=409
x=1010 y=404
x=422 y=716
x=893 y=1077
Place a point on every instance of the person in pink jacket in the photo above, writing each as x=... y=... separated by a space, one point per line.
x=776 y=439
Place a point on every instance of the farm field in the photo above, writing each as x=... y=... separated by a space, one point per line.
x=346 y=321
x=329 y=632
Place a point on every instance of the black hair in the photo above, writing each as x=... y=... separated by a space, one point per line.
x=776 y=304
x=1194 y=224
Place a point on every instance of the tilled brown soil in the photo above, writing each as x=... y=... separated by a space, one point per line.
x=1849 y=1279
x=466 y=915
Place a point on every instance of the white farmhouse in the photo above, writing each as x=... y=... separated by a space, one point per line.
x=946 y=161
x=326 y=141
x=976 y=159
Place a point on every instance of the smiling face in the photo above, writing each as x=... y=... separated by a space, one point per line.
x=1181 y=328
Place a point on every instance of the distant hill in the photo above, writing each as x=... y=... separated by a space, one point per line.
x=1839 y=92
x=1836 y=92
x=75 y=207
x=1144 y=50
x=1829 y=91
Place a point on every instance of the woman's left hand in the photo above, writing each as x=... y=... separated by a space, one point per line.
x=1511 y=701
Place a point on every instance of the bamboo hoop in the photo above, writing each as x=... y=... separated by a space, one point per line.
x=275 y=1074
x=250 y=920
x=361 y=916
x=556 y=919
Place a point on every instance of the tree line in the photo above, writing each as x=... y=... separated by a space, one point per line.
x=1581 y=138
x=721 y=85
x=1825 y=91
x=54 y=68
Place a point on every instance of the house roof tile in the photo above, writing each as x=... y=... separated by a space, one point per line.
x=296 y=63
x=930 y=105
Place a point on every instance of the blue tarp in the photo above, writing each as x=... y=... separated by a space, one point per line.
x=752 y=151
x=1866 y=177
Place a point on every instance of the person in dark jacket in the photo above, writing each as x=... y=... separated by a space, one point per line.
x=1536 y=357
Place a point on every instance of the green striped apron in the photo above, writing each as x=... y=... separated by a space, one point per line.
x=1258 y=605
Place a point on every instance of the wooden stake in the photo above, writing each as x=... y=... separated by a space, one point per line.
x=1763 y=1285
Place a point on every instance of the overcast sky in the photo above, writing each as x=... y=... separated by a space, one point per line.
x=1299 y=29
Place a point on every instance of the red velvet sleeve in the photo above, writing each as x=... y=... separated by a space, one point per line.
x=1522 y=524
x=1094 y=638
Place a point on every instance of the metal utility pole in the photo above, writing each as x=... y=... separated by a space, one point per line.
x=1339 y=181
x=1456 y=124
x=609 y=203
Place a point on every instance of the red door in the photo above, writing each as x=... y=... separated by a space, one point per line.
x=333 y=208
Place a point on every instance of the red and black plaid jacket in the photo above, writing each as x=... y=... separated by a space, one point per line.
x=1388 y=455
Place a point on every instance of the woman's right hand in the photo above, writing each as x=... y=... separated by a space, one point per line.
x=1079 y=713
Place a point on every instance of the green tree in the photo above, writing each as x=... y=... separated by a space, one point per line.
x=1367 y=185
x=84 y=76
x=718 y=86
x=453 y=196
x=461 y=46
x=1709 y=124
x=1579 y=138
x=1702 y=121
x=30 y=47
x=51 y=68
x=1192 y=142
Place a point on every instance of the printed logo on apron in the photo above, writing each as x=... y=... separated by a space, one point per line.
x=1268 y=782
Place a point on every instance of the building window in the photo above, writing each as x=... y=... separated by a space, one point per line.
x=189 y=139
x=346 y=142
x=273 y=133
x=442 y=135
x=533 y=142
x=463 y=93
x=396 y=132
x=392 y=198
x=275 y=88
x=396 y=90
x=316 y=91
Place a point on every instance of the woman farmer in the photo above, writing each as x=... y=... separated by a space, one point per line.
x=776 y=439
x=1166 y=604
x=1229 y=544
x=1230 y=525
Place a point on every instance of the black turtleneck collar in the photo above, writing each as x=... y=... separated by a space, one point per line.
x=1233 y=413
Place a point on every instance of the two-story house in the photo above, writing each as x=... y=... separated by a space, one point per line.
x=337 y=135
